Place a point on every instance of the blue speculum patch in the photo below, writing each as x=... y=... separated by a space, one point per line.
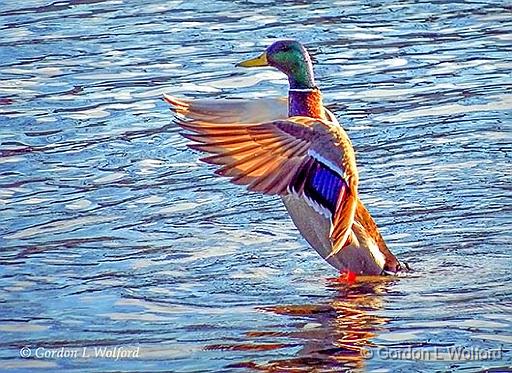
x=324 y=186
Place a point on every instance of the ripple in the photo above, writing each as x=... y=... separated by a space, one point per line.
x=57 y=226
x=113 y=233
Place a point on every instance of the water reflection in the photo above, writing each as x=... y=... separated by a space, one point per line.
x=329 y=335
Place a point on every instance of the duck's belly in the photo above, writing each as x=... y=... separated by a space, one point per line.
x=315 y=228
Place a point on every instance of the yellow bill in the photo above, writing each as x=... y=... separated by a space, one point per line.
x=255 y=62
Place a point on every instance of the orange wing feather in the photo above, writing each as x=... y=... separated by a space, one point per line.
x=270 y=158
x=260 y=156
x=342 y=221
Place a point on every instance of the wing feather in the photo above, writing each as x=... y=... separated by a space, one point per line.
x=232 y=110
x=280 y=157
x=229 y=156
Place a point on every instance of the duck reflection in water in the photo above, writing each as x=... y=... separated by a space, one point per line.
x=333 y=335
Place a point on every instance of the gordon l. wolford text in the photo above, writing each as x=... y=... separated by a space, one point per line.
x=86 y=352
x=452 y=353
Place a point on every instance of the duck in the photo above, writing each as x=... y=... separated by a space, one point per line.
x=295 y=148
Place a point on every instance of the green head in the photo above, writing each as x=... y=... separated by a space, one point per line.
x=290 y=57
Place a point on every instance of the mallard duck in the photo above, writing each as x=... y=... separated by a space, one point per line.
x=294 y=148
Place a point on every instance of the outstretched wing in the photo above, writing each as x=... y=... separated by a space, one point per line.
x=224 y=111
x=282 y=157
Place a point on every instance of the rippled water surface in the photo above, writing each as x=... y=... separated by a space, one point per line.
x=112 y=234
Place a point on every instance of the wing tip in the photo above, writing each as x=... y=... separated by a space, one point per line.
x=178 y=105
x=342 y=223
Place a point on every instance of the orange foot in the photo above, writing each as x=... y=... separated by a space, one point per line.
x=346 y=276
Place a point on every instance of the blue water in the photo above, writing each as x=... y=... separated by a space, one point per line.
x=113 y=234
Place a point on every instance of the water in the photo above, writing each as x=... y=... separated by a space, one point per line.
x=112 y=234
